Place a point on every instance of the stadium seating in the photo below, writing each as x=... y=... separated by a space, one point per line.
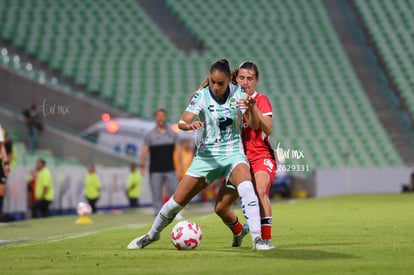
x=304 y=71
x=114 y=49
x=24 y=158
x=390 y=26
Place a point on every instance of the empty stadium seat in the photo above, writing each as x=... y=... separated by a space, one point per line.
x=115 y=49
x=390 y=26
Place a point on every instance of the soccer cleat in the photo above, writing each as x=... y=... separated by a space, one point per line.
x=269 y=242
x=260 y=244
x=237 y=239
x=142 y=242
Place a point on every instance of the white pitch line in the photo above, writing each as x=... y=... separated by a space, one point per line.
x=59 y=238
x=75 y=236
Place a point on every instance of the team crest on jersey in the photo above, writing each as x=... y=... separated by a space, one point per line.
x=233 y=103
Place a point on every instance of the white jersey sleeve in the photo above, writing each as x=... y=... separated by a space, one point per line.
x=197 y=103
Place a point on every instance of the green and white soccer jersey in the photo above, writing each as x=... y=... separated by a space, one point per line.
x=220 y=148
x=223 y=121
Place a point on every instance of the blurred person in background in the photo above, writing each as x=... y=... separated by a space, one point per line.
x=34 y=125
x=4 y=170
x=44 y=190
x=133 y=186
x=160 y=143
x=186 y=157
x=92 y=187
x=31 y=186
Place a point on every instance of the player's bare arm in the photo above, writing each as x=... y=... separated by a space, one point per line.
x=186 y=122
x=265 y=122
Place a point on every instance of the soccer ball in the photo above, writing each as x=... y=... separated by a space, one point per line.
x=83 y=209
x=186 y=235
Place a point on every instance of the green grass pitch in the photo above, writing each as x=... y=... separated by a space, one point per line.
x=354 y=234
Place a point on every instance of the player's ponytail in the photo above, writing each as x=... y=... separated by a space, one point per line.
x=234 y=76
x=202 y=85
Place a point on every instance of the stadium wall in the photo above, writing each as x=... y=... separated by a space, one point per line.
x=71 y=110
x=66 y=145
x=330 y=182
x=68 y=184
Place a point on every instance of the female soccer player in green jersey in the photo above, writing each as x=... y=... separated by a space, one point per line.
x=219 y=154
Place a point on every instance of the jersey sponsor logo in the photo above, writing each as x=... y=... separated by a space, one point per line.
x=225 y=110
x=224 y=123
x=232 y=138
x=269 y=164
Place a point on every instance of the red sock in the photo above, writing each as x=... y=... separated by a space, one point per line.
x=236 y=227
x=266 y=228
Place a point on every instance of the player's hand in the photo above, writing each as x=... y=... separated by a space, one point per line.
x=246 y=103
x=196 y=125
x=250 y=102
x=243 y=105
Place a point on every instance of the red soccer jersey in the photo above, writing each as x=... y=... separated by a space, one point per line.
x=256 y=143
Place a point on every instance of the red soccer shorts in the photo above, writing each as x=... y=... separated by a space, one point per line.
x=267 y=165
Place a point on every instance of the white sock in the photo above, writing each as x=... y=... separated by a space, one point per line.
x=250 y=207
x=166 y=215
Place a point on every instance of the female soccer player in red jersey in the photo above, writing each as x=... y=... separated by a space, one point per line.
x=259 y=153
x=219 y=154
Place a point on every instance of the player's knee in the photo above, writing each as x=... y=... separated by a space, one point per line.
x=261 y=194
x=220 y=209
x=261 y=191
